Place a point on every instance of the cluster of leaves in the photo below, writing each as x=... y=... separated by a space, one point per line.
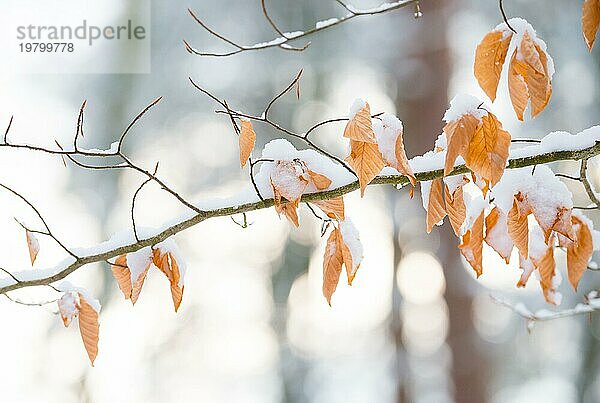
x=530 y=211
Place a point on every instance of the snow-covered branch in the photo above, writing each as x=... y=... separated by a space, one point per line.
x=283 y=41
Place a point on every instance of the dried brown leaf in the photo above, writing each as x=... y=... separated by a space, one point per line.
x=366 y=160
x=246 y=141
x=489 y=59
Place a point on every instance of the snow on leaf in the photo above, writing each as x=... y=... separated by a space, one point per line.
x=496 y=233
x=352 y=250
x=489 y=60
x=246 y=141
x=332 y=264
x=471 y=246
x=74 y=303
x=289 y=179
x=488 y=150
x=389 y=134
x=579 y=251
x=33 y=245
x=334 y=208
x=366 y=160
x=433 y=192
x=590 y=20
x=359 y=126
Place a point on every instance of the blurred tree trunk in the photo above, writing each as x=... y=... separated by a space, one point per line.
x=421 y=104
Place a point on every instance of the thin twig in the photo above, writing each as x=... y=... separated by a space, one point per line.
x=504 y=17
x=586 y=183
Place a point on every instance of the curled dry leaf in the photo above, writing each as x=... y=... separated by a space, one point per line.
x=518 y=226
x=343 y=248
x=433 y=193
x=166 y=261
x=366 y=160
x=546 y=266
x=334 y=208
x=389 y=135
x=455 y=206
x=359 y=127
x=530 y=63
x=247 y=140
x=332 y=264
x=74 y=304
x=471 y=246
x=590 y=20
x=489 y=60
x=458 y=134
x=33 y=245
x=579 y=252
x=488 y=150
x=321 y=181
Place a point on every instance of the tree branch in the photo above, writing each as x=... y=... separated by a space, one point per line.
x=9 y=284
x=286 y=37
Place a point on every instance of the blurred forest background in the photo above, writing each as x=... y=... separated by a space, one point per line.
x=254 y=327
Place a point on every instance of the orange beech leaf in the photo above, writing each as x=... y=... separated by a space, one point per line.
x=135 y=264
x=590 y=20
x=517 y=88
x=359 y=128
x=89 y=328
x=167 y=263
x=435 y=203
x=334 y=208
x=321 y=181
x=33 y=245
x=459 y=134
x=489 y=59
x=546 y=266
x=366 y=160
x=496 y=234
x=488 y=150
x=122 y=274
x=579 y=252
x=332 y=264
x=455 y=206
x=529 y=77
x=518 y=226
x=402 y=166
x=74 y=304
x=247 y=140
x=290 y=211
x=471 y=246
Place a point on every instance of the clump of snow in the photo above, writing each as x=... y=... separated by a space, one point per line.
x=68 y=306
x=465 y=104
x=356 y=106
x=138 y=262
x=387 y=128
x=170 y=246
x=114 y=147
x=475 y=204
x=498 y=236
x=326 y=23
x=283 y=150
x=67 y=287
x=352 y=240
x=544 y=191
